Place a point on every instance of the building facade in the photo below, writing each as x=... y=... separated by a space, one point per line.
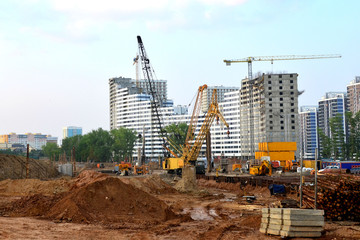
x=207 y=94
x=71 y=131
x=353 y=93
x=331 y=105
x=269 y=111
x=35 y=140
x=308 y=135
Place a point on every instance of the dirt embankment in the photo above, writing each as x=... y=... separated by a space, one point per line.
x=14 y=167
x=93 y=198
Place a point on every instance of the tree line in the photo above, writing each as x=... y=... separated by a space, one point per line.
x=343 y=145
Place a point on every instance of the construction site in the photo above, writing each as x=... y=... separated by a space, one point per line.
x=266 y=194
x=157 y=205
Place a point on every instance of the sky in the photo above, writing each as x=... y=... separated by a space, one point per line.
x=56 y=56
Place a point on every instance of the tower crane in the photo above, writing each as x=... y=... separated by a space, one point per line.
x=249 y=60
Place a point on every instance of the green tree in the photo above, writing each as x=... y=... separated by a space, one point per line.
x=326 y=144
x=50 y=150
x=338 y=136
x=95 y=146
x=69 y=143
x=353 y=144
x=177 y=136
x=123 y=143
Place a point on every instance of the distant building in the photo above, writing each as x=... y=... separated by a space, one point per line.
x=308 y=136
x=35 y=141
x=207 y=94
x=268 y=113
x=331 y=105
x=181 y=110
x=71 y=131
x=353 y=93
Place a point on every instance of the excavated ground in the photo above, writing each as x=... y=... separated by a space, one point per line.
x=97 y=206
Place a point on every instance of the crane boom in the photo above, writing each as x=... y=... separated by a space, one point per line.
x=249 y=60
x=156 y=100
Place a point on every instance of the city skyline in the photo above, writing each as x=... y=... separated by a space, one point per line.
x=57 y=56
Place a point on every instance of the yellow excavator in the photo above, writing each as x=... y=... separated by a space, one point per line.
x=260 y=167
x=191 y=148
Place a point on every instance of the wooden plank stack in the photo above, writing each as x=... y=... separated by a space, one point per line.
x=338 y=196
x=292 y=222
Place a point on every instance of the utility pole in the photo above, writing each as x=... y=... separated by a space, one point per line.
x=27 y=161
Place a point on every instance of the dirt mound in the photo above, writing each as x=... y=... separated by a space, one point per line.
x=20 y=187
x=150 y=184
x=87 y=177
x=234 y=187
x=110 y=200
x=14 y=167
x=95 y=198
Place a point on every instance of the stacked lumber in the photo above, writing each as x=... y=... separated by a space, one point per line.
x=292 y=222
x=338 y=196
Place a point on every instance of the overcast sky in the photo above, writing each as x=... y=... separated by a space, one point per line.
x=56 y=56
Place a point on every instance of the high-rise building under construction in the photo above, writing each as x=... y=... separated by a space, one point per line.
x=268 y=111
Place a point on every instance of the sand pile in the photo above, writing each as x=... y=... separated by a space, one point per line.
x=95 y=198
x=14 y=167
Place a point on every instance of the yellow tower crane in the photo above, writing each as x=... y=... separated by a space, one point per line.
x=249 y=60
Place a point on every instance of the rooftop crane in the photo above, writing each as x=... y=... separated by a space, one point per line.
x=249 y=60
x=156 y=101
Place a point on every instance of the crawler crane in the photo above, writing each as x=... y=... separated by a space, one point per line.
x=192 y=146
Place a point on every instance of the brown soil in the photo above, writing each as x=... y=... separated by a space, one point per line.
x=14 y=167
x=141 y=207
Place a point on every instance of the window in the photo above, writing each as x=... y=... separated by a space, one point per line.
x=280 y=76
x=271 y=122
x=270 y=99
x=281 y=93
x=281 y=122
x=269 y=82
x=270 y=105
x=281 y=99
x=292 y=104
x=291 y=76
x=271 y=128
x=280 y=87
x=292 y=93
x=281 y=104
x=293 y=127
x=269 y=76
x=291 y=87
x=292 y=121
x=269 y=88
x=281 y=110
x=292 y=99
x=282 y=128
x=270 y=116
x=292 y=110
x=280 y=81
x=291 y=81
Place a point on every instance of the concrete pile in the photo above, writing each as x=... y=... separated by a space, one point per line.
x=292 y=222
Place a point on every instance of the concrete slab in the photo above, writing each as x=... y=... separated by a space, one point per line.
x=292 y=228
x=273 y=232
x=265 y=210
x=298 y=211
x=265 y=220
x=299 y=234
x=297 y=223
x=297 y=217
x=276 y=210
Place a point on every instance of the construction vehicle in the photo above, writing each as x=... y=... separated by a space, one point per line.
x=261 y=167
x=193 y=143
x=122 y=168
x=236 y=167
x=141 y=170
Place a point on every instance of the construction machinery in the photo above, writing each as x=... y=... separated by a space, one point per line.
x=141 y=170
x=122 y=168
x=156 y=100
x=260 y=168
x=193 y=143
